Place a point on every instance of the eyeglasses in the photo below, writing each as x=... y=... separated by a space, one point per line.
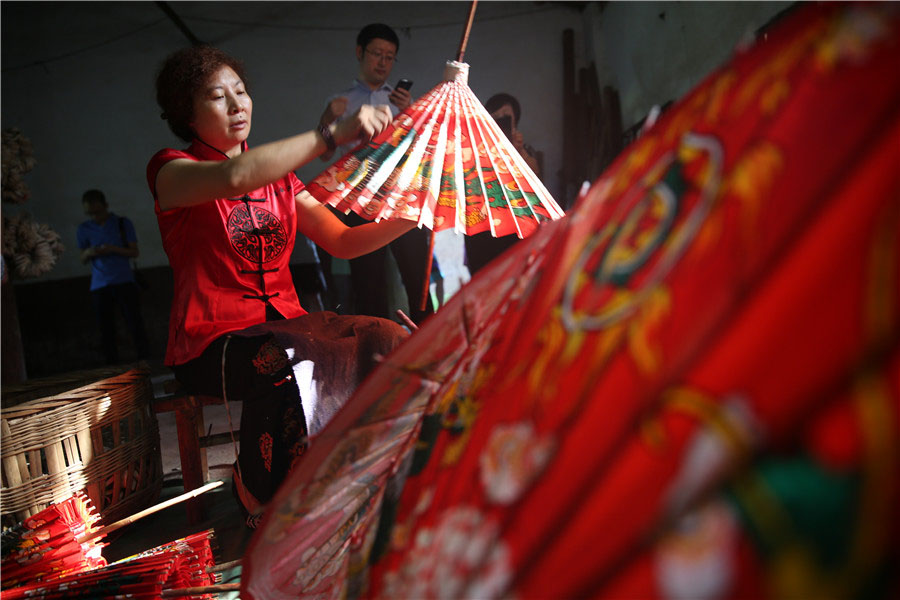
x=379 y=56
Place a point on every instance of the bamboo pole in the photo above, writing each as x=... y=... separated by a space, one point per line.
x=465 y=36
x=409 y=322
x=426 y=291
x=149 y=511
x=201 y=590
x=224 y=566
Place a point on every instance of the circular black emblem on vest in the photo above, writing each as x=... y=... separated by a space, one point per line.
x=260 y=237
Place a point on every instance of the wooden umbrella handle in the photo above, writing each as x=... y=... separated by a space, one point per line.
x=465 y=37
x=426 y=286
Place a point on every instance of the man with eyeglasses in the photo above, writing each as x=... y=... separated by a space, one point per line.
x=376 y=50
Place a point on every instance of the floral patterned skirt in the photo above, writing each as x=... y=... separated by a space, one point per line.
x=291 y=377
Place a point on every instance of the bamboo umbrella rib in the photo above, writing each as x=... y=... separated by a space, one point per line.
x=511 y=163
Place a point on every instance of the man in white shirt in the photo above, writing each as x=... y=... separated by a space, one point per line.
x=376 y=50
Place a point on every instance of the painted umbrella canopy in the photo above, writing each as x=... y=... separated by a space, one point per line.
x=444 y=163
x=688 y=387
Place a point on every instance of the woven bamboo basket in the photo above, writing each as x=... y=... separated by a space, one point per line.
x=102 y=438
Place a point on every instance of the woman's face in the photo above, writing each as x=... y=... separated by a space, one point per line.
x=222 y=112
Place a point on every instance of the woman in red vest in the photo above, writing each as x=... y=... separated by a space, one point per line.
x=228 y=216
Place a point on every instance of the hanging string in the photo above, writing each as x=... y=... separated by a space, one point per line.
x=237 y=462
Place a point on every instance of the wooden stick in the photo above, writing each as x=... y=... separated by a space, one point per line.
x=426 y=287
x=465 y=36
x=224 y=566
x=149 y=511
x=200 y=590
x=409 y=322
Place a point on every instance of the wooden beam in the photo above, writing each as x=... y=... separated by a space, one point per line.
x=193 y=39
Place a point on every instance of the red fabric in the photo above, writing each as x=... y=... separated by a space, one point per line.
x=210 y=244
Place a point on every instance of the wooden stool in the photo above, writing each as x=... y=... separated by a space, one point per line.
x=192 y=441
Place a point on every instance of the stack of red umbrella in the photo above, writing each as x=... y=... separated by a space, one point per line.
x=53 y=543
x=57 y=554
x=177 y=565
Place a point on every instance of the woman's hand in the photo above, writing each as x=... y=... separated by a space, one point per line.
x=333 y=111
x=365 y=123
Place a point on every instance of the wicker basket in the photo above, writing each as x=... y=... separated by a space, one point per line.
x=102 y=438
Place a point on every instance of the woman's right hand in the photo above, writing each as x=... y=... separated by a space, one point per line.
x=333 y=111
x=365 y=123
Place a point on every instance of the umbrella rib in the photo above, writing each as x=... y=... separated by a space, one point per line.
x=534 y=182
x=497 y=144
x=457 y=170
x=437 y=167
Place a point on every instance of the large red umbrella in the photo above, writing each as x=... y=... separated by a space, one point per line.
x=688 y=387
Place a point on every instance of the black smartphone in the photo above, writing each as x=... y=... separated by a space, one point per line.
x=505 y=123
x=403 y=84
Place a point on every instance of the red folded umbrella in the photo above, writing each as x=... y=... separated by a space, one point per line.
x=57 y=554
x=689 y=387
x=52 y=543
x=180 y=564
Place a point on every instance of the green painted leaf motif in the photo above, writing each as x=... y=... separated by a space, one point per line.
x=495 y=194
x=473 y=186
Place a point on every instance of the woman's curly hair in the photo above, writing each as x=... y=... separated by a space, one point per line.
x=181 y=76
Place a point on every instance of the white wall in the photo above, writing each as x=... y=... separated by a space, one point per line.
x=78 y=81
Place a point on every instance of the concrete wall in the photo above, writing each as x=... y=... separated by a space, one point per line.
x=78 y=81
x=653 y=52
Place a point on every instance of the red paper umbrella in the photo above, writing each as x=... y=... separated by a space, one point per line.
x=690 y=387
x=444 y=163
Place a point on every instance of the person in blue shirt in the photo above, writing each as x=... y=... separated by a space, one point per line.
x=376 y=51
x=109 y=243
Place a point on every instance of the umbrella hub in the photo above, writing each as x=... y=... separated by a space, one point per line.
x=456 y=71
